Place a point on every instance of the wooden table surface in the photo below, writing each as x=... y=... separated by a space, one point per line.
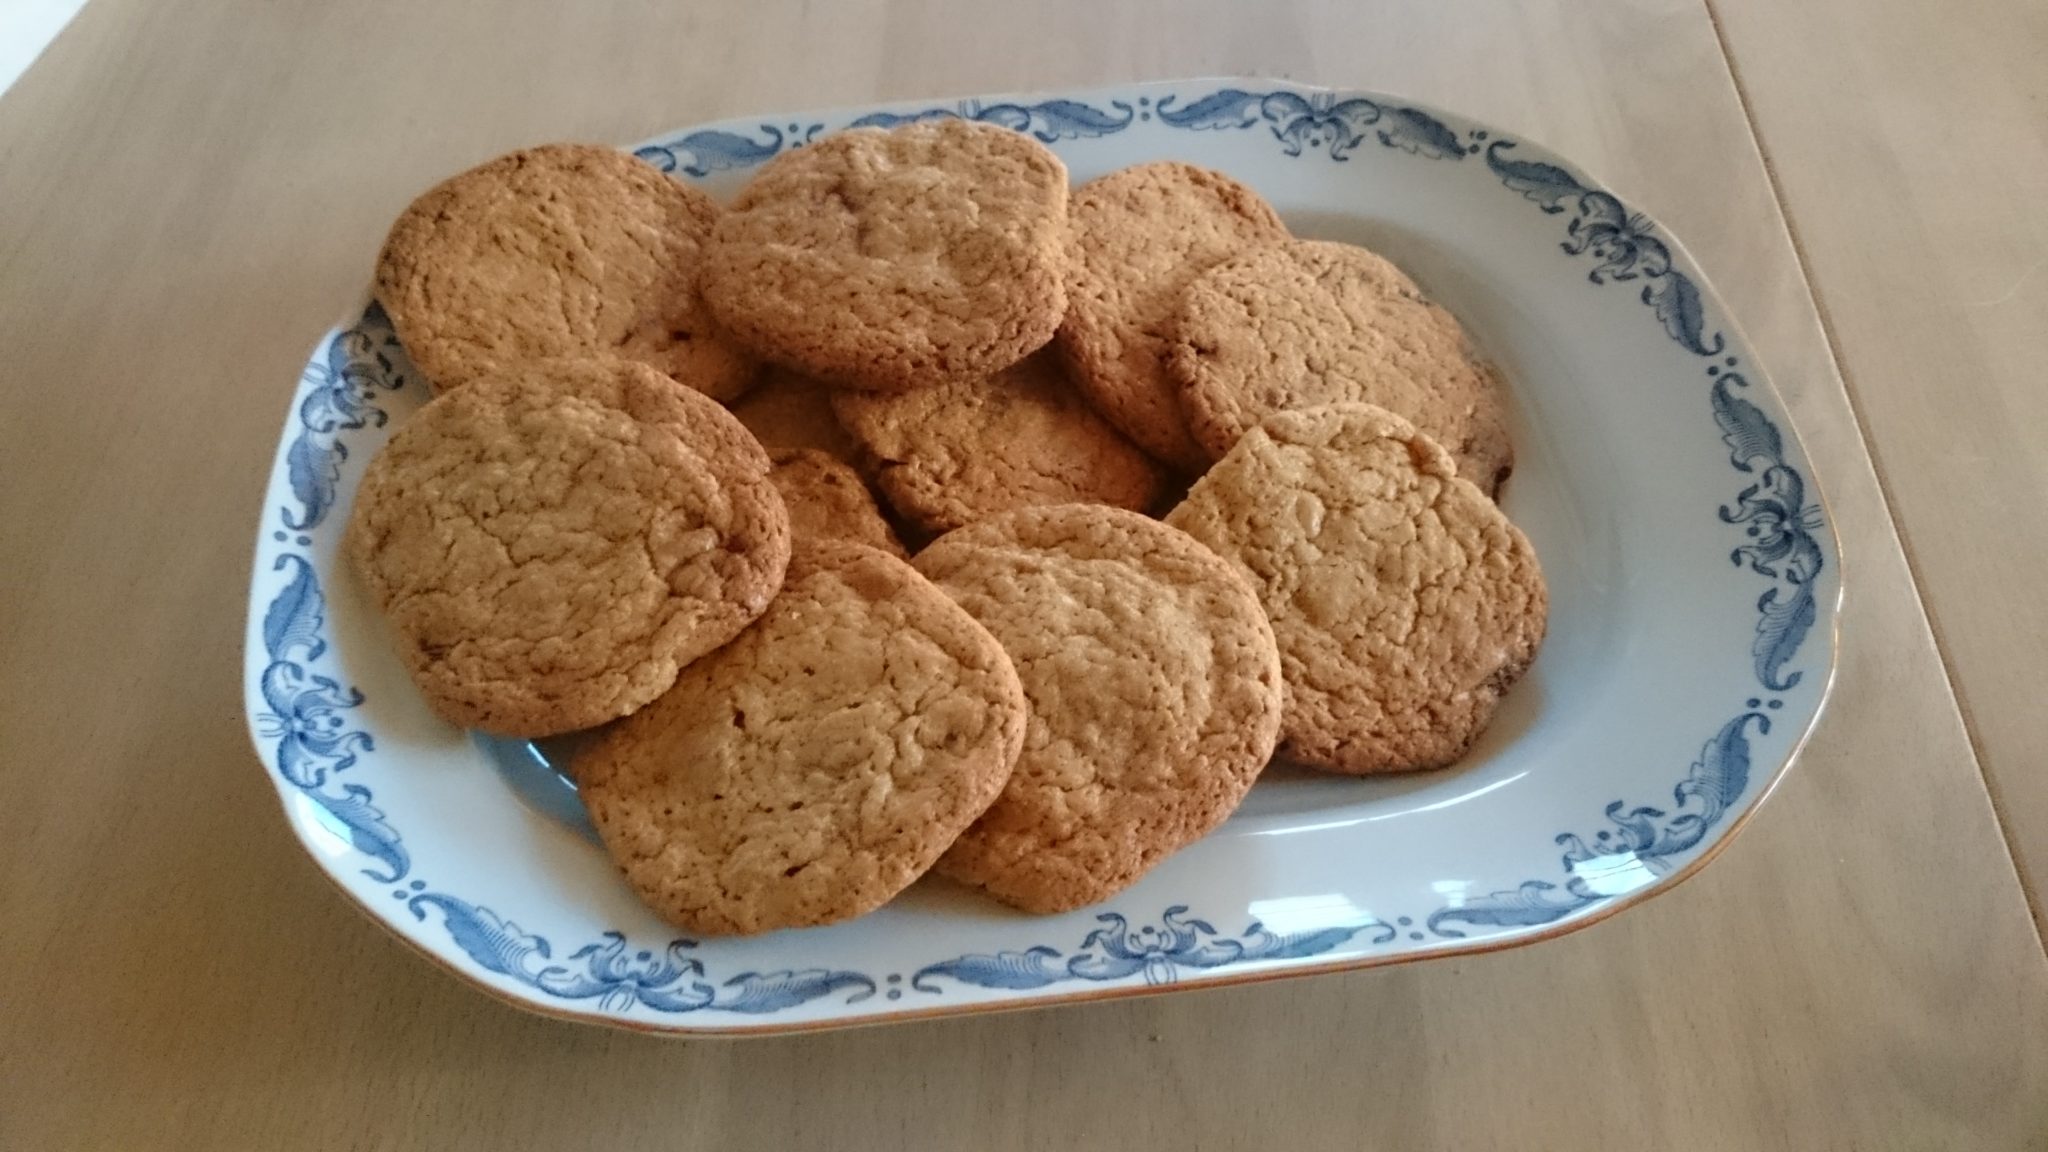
x=190 y=192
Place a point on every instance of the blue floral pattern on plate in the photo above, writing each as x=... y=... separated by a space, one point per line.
x=1050 y=121
x=1160 y=953
x=309 y=738
x=1319 y=121
x=1624 y=246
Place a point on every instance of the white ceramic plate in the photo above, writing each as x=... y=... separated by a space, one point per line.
x=1693 y=584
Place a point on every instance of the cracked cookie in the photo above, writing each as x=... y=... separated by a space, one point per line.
x=1139 y=236
x=817 y=765
x=959 y=452
x=552 y=545
x=895 y=259
x=564 y=250
x=1404 y=602
x=1154 y=689
x=827 y=499
x=1308 y=323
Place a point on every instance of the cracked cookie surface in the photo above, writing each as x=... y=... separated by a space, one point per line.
x=1309 y=323
x=956 y=453
x=817 y=765
x=827 y=499
x=894 y=259
x=1154 y=688
x=552 y=546
x=563 y=250
x=1404 y=602
x=1140 y=235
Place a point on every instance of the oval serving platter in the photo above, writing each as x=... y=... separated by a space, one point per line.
x=1694 y=586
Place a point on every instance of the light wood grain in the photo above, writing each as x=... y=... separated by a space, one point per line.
x=190 y=192
x=1923 y=210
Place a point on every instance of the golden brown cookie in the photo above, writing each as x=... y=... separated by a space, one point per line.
x=563 y=250
x=1308 y=323
x=787 y=409
x=552 y=544
x=1139 y=236
x=896 y=259
x=956 y=453
x=1155 y=696
x=828 y=500
x=814 y=767
x=1404 y=602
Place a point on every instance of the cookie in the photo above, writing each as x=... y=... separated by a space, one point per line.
x=956 y=453
x=565 y=250
x=790 y=410
x=1139 y=236
x=551 y=545
x=814 y=767
x=896 y=259
x=1309 y=323
x=1404 y=602
x=1154 y=685
x=828 y=500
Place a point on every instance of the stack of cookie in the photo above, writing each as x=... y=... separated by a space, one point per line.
x=1162 y=490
